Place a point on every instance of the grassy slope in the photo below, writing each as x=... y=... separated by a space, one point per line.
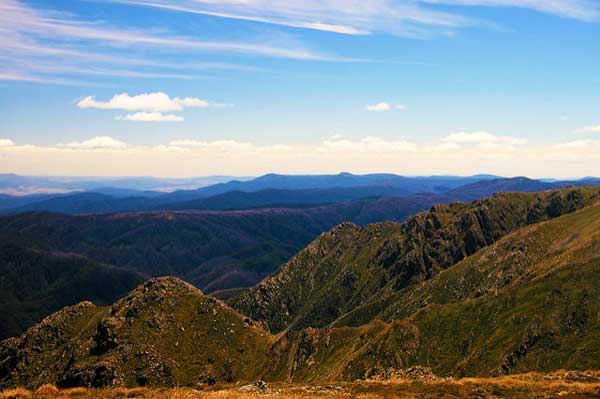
x=533 y=303
x=350 y=266
x=528 y=302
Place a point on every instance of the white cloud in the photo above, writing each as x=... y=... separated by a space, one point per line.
x=158 y=102
x=483 y=139
x=151 y=117
x=105 y=156
x=6 y=143
x=589 y=129
x=151 y=105
x=379 y=107
x=101 y=142
x=384 y=107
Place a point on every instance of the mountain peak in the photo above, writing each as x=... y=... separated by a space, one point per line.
x=140 y=340
x=167 y=284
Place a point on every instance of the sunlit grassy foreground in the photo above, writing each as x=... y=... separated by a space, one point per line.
x=533 y=385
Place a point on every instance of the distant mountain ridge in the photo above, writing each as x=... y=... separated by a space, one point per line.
x=121 y=197
x=403 y=185
x=310 y=191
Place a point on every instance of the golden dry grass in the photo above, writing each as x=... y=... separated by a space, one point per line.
x=526 y=386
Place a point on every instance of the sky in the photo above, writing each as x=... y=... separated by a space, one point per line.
x=179 y=88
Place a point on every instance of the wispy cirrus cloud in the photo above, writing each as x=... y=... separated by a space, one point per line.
x=583 y=10
x=46 y=46
x=235 y=10
x=359 y=17
x=22 y=22
x=348 y=17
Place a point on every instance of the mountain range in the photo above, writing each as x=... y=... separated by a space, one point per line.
x=220 y=252
x=506 y=284
x=275 y=191
x=267 y=190
x=18 y=185
x=212 y=250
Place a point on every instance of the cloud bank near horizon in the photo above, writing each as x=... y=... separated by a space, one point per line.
x=462 y=153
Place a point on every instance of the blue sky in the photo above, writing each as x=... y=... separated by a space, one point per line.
x=198 y=87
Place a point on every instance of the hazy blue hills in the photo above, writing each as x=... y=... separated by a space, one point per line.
x=278 y=191
x=25 y=185
x=265 y=191
x=238 y=200
x=401 y=185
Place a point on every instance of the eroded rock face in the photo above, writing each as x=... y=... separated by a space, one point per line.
x=105 y=338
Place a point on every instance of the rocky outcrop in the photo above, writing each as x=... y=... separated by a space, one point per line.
x=164 y=333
